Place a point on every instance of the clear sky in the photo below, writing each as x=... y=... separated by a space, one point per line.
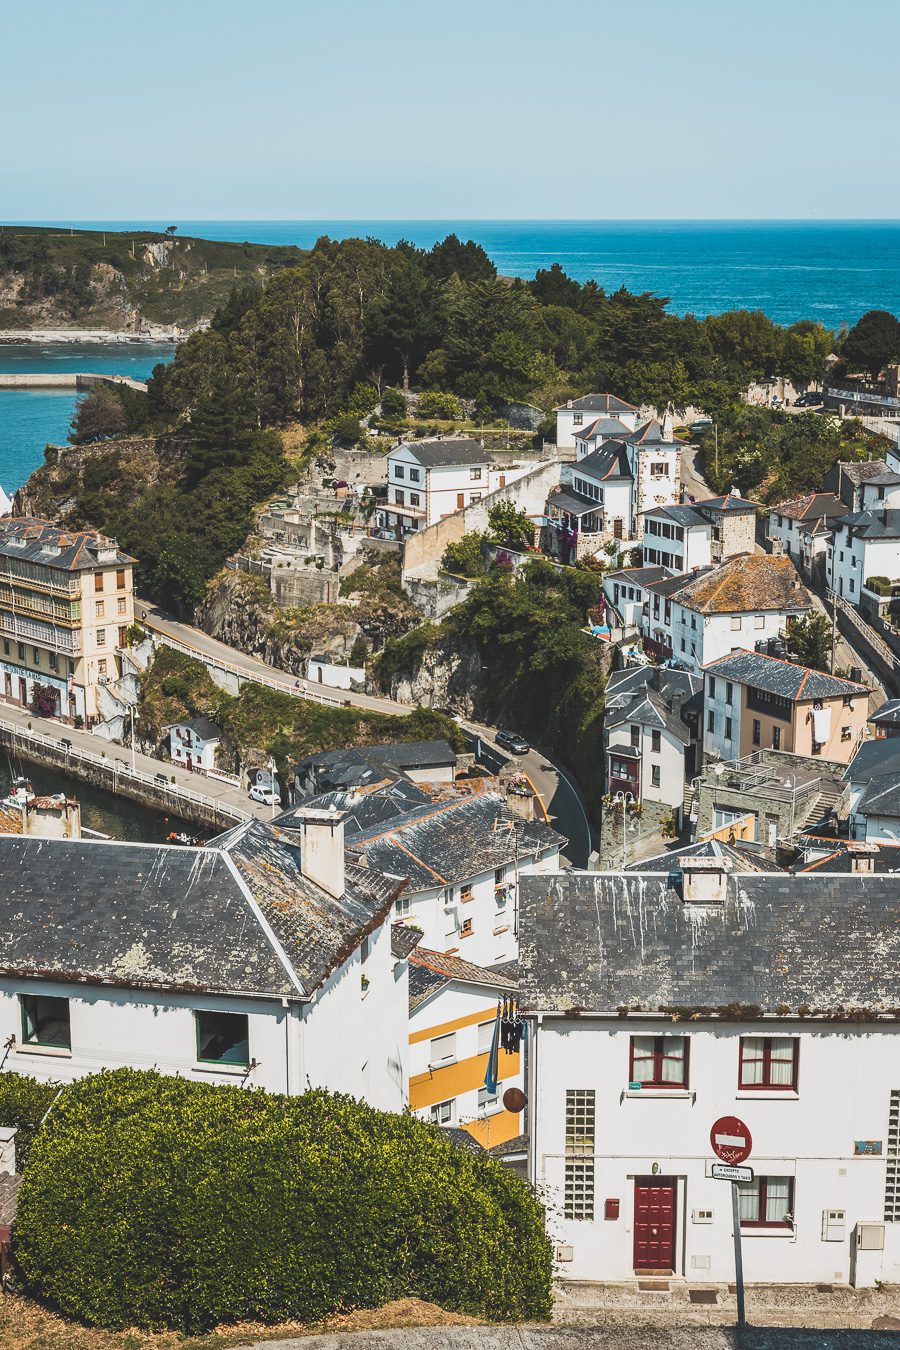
x=461 y=109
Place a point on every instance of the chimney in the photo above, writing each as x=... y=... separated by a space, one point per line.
x=704 y=880
x=777 y=548
x=862 y=859
x=322 y=848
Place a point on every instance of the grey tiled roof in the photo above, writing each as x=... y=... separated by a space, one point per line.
x=785 y=678
x=604 y=427
x=881 y=796
x=736 y=505
x=40 y=541
x=574 y=502
x=639 y=576
x=599 y=403
x=707 y=848
x=814 y=506
x=430 y=971
x=874 y=524
x=653 y=696
x=881 y=755
x=865 y=472
x=888 y=714
x=610 y=461
x=682 y=515
x=442 y=454
x=602 y=943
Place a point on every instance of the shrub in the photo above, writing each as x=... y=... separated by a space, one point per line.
x=44 y=700
x=23 y=1103
x=465 y=557
x=434 y=403
x=393 y=404
x=159 y=1202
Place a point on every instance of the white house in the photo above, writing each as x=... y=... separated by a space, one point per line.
x=652 y=732
x=626 y=591
x=803 y=527
x=747 y=599
x=676 y=537
x=663 y=1002
x=626 y=475
x=459 y=854
x=864 y=544
x=427 y=480
x=452 y=1017
x=260 y=960
x=578 y=415
x=193 y=744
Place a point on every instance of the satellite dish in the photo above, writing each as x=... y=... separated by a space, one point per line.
x=720 y=769
x=514 y=1100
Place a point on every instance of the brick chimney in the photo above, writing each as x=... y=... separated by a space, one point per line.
x=322 y=848
x=862 y=859
x=704 y=880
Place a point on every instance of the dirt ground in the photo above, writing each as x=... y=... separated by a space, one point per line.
x=26 y=1326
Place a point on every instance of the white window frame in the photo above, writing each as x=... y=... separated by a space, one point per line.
x=442 y=1050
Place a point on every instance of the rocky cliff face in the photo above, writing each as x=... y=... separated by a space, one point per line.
x=448 y=676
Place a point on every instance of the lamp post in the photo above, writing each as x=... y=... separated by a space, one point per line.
x=133 y=765
x=622 y=799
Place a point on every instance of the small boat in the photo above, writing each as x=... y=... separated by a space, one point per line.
x=186 y=840
x=20 y=792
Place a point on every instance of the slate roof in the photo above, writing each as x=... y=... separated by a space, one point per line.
x=748 y=582
x=886 y=479
x=682 y=515
x=814 y=506
x=886 y=858
x=741 y=861
x=888 y=714
x=518 y=1144
x=413 y=754
x=430 y=971
x=365 y=765
x=866 y=472
x=442 y=454
x=47 y=544
x=654 y=696
x=404 y=939
x=451 y=841
x=881 y=796
x=574 y=502
x=785 y=678
x=610 y=461
x=881 y=755
x=651 y=433
x=599 y=403
x=606 y=428
x=736 y=505
x=203 y=727
x=602 y=942
x=874 y=524
x=159 y=917
x=461 y=1139
x=639 y=576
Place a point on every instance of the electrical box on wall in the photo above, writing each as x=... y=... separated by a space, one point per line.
x=870 y=1237
x=565 y=1253
x=701 y=1216
x=834 y=1225
x=611 y=1209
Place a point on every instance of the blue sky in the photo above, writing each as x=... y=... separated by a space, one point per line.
x=473 y=109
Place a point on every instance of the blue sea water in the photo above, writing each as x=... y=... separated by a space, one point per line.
x=33 y=418
x=832 y=271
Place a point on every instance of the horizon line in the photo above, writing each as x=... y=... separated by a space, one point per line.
x=482 y=220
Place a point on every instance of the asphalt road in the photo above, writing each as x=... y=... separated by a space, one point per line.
x=634 y=1337
x=560 y=798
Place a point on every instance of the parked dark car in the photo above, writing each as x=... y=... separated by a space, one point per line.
x=65 y=743
x=808 y=401
x=161 y=779
x=510 y=740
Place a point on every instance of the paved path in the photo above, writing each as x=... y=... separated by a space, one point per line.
x=558 y=793
x=224 y=793
x=636 y=1336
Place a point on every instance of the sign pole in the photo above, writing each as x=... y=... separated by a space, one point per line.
x=738 y=1257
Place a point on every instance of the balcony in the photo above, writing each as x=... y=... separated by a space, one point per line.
x=39 y=578
x=26 y=630
x=37 y=608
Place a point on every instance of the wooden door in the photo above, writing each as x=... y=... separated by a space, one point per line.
x=460 y=500
x=654 y=1223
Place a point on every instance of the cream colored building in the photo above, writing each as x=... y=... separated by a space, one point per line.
x=66 y=602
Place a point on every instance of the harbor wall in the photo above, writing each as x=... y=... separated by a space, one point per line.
x=66 y=379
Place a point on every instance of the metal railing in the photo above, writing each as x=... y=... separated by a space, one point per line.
x=123 y=770
x=41 y=631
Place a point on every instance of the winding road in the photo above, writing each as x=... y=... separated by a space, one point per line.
x=560 y=799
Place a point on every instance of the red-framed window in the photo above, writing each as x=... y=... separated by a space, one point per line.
x=769 y=1062
x=659 y=1061
x=766 y=1202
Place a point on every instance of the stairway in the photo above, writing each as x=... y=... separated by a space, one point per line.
x=823 y=808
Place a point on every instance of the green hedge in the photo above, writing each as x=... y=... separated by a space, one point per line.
x=159 y=1202
x=23 y=1103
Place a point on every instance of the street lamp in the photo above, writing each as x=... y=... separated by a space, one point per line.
x=131 y=710
x=622 y=799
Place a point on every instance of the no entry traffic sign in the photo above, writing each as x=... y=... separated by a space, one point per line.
x=731 y=1140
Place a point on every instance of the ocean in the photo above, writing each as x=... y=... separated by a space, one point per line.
x=832 y=271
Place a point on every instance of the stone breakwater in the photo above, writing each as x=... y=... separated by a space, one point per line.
x=66 y=379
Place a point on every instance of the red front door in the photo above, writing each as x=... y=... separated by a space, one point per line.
x=654 y=1223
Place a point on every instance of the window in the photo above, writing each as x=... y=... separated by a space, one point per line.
x=656 y=741
x=442 y=1050
x=365 y=948
x=442 y=1113
x=37 y=656
x=757 y=731
x=635 y=733
x=579 y=1167
x=852 y=586
x=712 y=686
x=98 y=609
x=776 y=738
x=402 y=906
x=769 y=1062
x=101 y=667
x=659 y=1061
x=760 y=620
x=710 y=720
x=6 y=646
x=54 y=661
x=120 y=604
x=766 y=1202
x=487 y=1100
x=414 y=499
x=728 y=725
x=729 y=692
x=399 y=471
x=414 y=475
x=485 y=1037
x=101 y=637
x=654 y=775
x=892 y=1169
x=467 y=928
x=120 y=579
x=21 y=651
x=659 y=470
x=475 y=475
x=735 y=623
x=45 y=1021
x=399 y=496
x=846 y=733
x=577 y=419
x=222 y=1038
x=465 y=893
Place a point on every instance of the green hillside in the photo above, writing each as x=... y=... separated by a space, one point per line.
x=123 y=281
